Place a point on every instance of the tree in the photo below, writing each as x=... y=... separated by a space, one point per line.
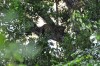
x=78 y=35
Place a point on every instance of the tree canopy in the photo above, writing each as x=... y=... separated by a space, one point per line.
x=49 y=32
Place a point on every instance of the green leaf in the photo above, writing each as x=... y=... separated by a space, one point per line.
x=89 y=64
x=10 y=15
x=21 y=65
x=11 y=64
x=2 y=38
x=98 y=36
x=18 y=57
x=36 y=65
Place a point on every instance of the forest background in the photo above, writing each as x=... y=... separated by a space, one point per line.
x=49 y=32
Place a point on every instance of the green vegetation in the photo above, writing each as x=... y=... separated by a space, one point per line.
x=75 y=27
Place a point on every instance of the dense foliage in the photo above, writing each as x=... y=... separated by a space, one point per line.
x=74 y=28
